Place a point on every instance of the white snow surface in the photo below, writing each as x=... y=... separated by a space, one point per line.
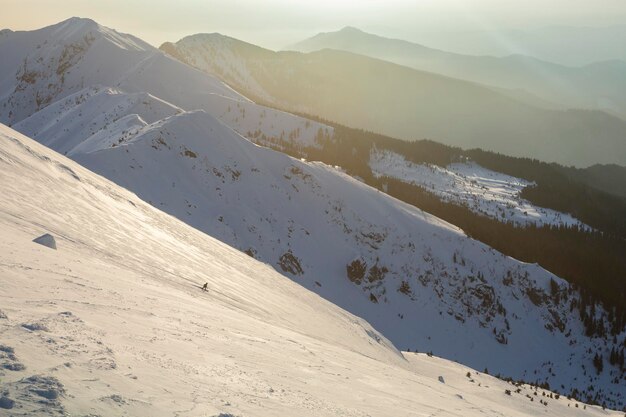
x=425 y=285
x=483 y=191
x=114 y=322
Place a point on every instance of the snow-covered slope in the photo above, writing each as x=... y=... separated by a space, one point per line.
x=418 y=280
x=113 y=322
x=483 y=191
x=42 y=66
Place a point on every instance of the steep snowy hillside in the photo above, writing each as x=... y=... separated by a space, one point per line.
x=42 y=66
x=418 y=280
x=113 y=322
x=481 y=190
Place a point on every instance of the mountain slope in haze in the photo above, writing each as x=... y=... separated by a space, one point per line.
x=600 y=86
x=113 y=322
x=608 y=178
x=43 y=66
x=566 y=45
x=418 y=280
x=398 y=101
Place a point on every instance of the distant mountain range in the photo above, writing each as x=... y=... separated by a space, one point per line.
x=598 y=86
x=395 y=100
x=566 y=45
x=608 y=178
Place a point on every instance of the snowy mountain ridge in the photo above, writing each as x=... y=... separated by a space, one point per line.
x=113 y=115
x=43 y=66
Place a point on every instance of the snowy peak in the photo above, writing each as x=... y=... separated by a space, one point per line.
x=42 y=66
x=72 y=27
x=76 y=28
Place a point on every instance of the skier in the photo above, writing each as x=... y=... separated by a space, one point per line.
x=205 y=286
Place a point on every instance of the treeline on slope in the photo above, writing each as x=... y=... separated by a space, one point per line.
x=611 y=179
x=558 y=189
x=554 y=188
x=591 y=260
x=566 y=189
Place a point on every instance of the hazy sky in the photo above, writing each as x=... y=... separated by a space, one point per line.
x=277 y=23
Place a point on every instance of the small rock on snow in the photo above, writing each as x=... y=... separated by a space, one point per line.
x=46 y=240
